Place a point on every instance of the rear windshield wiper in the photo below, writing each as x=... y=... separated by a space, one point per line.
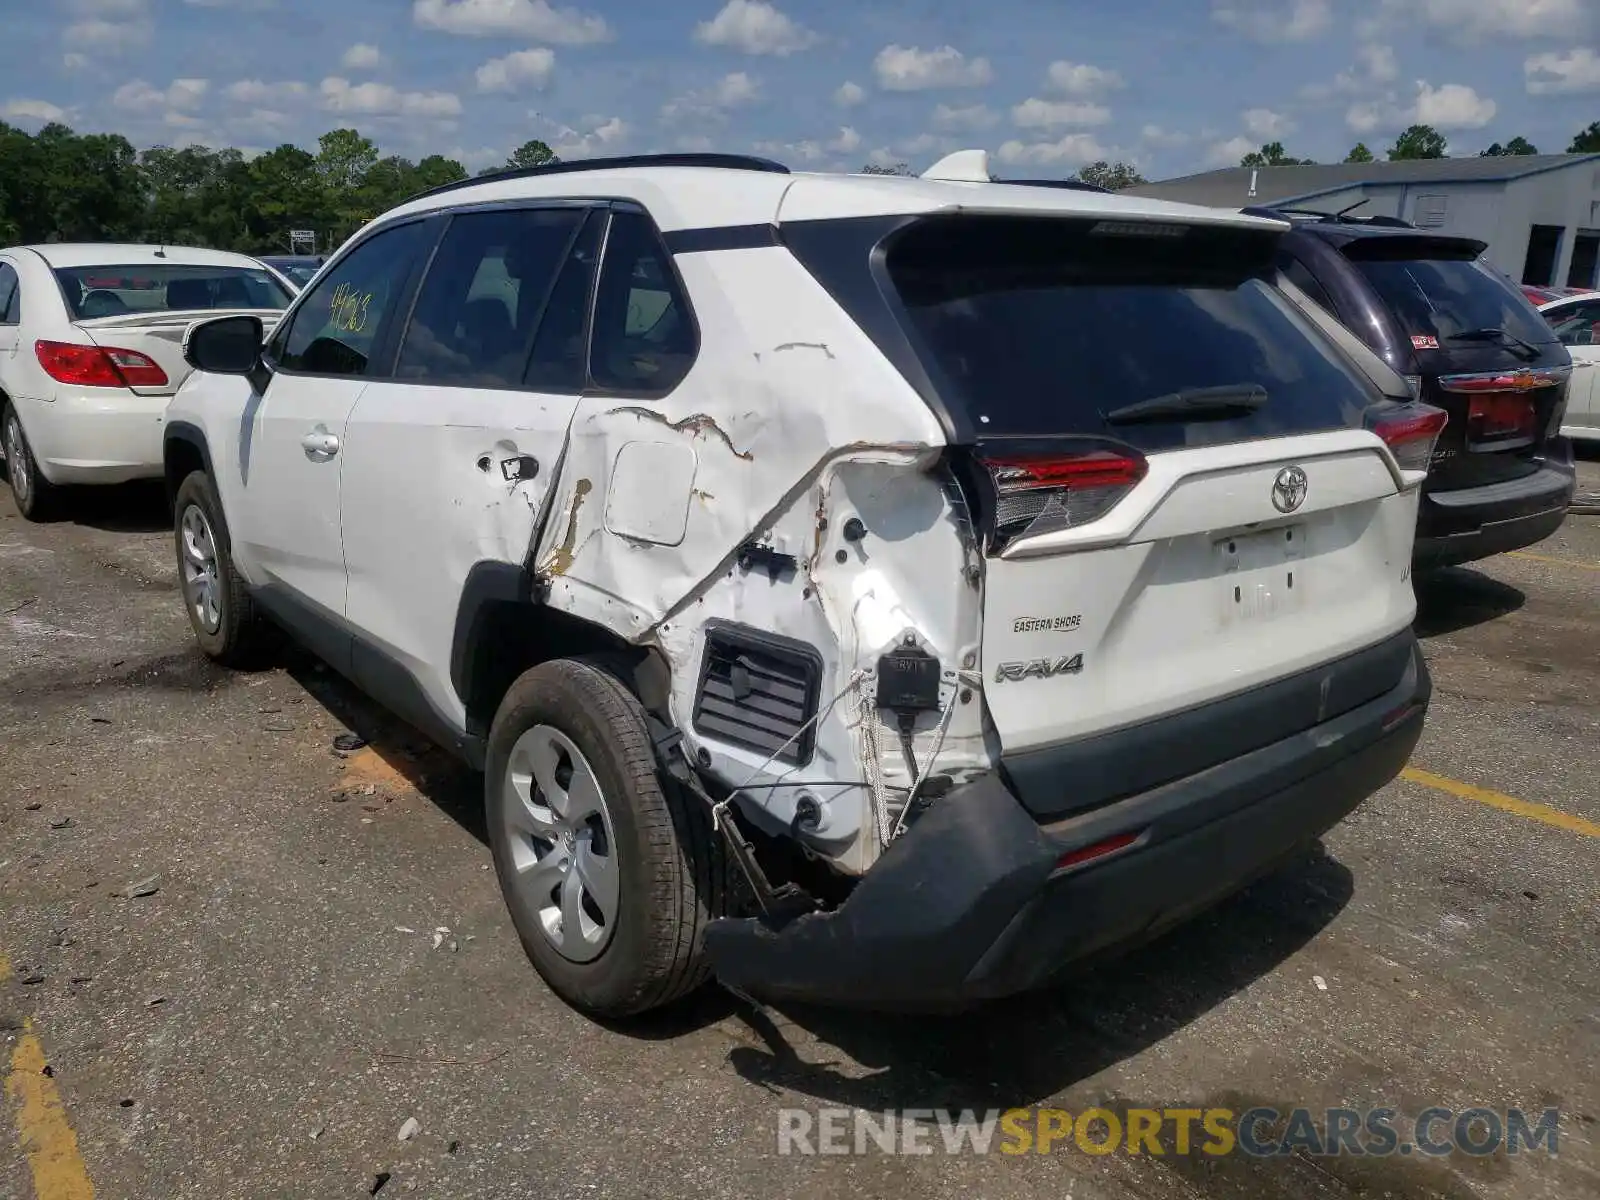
x=1193 y=404
x=1492 y=334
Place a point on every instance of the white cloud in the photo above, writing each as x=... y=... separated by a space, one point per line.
x=523 y=68
x=1155 y=135
x=476 y=158
x=1228 y=153
x=254 y=91
x=139 y=96
x=848 y=141
x=1368 y=115
x=1081 y=79
x=755 y=27
x=731 y=91
x=1453 y=106
x=73 y=61
x=361 y=57
x=1377 y=59
x=109 y=8
x=967 y=119
x=382 y=100
x=535 y=20
x=1474 y=20
x=1034 y=113
x=1578 y=70
x=849 y=94
x=595 y=135
x=911 y=69
x=1274 y=20
x=106 y=37
x=1266 y=125
x=31 y=110
x=1071 y=151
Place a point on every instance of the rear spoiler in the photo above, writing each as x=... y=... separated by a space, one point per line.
x=1404 y=247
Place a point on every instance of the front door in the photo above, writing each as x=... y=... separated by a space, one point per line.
x=292 y=433
x=448 y=464
x=1578 y=327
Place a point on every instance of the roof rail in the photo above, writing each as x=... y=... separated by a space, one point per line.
x=725 y=162
x=1077 y=185
x=1287 y=212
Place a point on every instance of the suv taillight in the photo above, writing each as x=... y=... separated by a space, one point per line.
x=1043 y=493
x=1410 y=431
x=98 y=366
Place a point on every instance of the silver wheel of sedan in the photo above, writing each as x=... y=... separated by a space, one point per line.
x=202 y=590
x=563 y=847
x=17 y=460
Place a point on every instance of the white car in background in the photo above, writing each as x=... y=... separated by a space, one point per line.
x=1576 y=320
x=91 y=350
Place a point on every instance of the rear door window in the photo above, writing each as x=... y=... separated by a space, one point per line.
x=1443 y=296
x=10 y=287
x=1044 y=326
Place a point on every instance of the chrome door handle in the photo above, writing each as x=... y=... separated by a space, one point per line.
x=319 y=442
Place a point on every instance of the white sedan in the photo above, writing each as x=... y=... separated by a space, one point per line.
x=91 y=350
x=1576 y=320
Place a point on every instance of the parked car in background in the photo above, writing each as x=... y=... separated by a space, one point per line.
x=296 y=268
x=1471 y=344
x=91 y=350
x=1015 y=567
x=1576 y=321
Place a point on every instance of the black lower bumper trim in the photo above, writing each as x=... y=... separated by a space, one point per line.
x=969 y=903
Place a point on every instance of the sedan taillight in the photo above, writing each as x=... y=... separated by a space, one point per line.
x=98 y=366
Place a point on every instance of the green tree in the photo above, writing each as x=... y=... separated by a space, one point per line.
x=1587 y=142
x=1273 y=155
x=532 y=153
x=1359 y=154
x=289 y=194
x=344 y=157
x=1111 y=176
x=436 y=170
x=898 y=168
x=1419 y=141
x=1517 y=145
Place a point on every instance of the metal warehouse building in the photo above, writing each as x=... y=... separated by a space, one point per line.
x=1539 y=213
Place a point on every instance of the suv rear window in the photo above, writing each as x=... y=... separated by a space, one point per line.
x=1441 y=294
x=1042 y=326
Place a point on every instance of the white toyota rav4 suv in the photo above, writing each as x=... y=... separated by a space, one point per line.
x=878 y=591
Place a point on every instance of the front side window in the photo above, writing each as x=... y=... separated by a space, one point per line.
x=10 y=295
x=113 y=291
x=644 y=335
x=337 y=325
x=478 y=310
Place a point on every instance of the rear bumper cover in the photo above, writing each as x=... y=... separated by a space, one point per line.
x=969 y=903
x=98 y=435
x=1472 y=523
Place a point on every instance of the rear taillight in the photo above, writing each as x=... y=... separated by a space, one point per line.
x=98 y=366
x=1043 y=493
x=1410 y=431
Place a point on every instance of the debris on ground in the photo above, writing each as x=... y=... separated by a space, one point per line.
x=378 y=1181
x=409 y=1130
x=404 y=929
x=30 y=980
x=318 y=1132
x=33 y=806
x=156 y=1001
x=1322 y=984
x=278 y=726
x=147 y=886
x=347 y=743
x=63 y=823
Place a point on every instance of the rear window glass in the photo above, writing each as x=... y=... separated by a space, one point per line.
x=1443 y=297
x=1045 y=326
x=112 y=291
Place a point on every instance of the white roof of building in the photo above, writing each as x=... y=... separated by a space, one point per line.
x=117 y=254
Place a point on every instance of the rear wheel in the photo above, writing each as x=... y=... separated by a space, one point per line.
x=35 y=495
x=220 y=609
x=609 y=872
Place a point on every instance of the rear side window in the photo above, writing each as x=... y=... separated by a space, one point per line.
x=1043 y=326
x=644 y=334
x=479 y=307
x=10 y=295
x=1444 y=297
x=337 y=325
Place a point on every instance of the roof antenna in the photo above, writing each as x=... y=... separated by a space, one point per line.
x=1252 y=181
x=161 y=250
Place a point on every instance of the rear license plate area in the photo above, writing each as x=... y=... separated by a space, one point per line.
x=1500 y=422
x=1262 y=574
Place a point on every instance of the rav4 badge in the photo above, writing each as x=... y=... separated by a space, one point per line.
x=1038 y=668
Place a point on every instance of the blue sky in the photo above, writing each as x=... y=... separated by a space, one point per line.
x=1045 y=85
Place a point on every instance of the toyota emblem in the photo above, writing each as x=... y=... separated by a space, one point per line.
x=1289 y=489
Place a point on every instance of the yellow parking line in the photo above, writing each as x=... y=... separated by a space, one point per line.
x=42 y=1126
x=1542 y=813
x=1560 y=562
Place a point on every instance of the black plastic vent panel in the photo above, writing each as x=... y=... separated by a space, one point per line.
x=758 y=691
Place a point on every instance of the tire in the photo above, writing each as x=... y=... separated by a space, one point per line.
x=671 y=874
x=36 y=497
x=227 y=627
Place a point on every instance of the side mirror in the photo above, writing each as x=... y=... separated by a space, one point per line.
x=224 y=346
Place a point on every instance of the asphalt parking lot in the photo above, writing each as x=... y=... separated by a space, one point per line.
x=320 y=952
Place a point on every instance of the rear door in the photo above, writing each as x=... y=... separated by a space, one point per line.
x=1484 y=353
x=1170 y=468
x=292 y=429
x=10 y=313
x=1577 y=325
x=449 y=462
